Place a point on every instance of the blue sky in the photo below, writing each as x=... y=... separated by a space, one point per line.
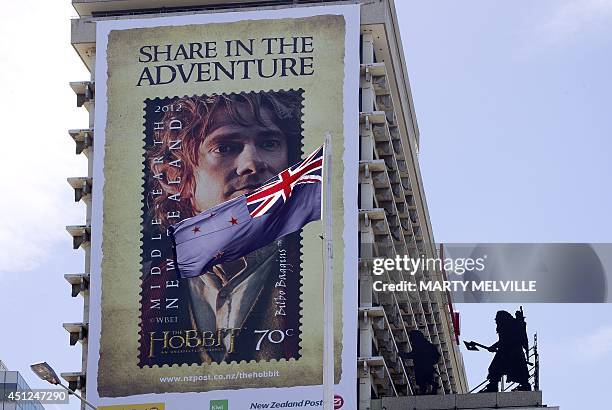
x=512 y=100
x=513 y=105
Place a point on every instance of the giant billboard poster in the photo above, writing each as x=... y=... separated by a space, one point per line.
x=192 y=112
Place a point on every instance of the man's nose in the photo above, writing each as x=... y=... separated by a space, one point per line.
x=250 y=161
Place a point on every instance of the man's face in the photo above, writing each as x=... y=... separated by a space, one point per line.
x=235 y=159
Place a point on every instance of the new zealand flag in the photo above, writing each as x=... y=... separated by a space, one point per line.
x=233 y=229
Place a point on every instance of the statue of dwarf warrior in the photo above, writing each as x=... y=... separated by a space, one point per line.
x=510 y=352
x=425 y=356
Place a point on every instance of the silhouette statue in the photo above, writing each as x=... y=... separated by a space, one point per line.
x=425 y=356
x=510 y=350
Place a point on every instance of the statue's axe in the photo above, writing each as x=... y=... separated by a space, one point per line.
x=474 y=346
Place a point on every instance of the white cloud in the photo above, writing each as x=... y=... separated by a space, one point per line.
x=596 y=345
x=582 y=349
x=36 y=110
x=573 y=18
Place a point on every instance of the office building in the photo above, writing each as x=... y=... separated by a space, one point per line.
x=393 y=215
x=12 y=381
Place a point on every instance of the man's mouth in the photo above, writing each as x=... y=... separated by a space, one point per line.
x=243 y=190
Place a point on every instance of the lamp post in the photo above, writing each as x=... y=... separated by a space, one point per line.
x=46 y=373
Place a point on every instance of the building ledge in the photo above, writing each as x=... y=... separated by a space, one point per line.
x=481 y=401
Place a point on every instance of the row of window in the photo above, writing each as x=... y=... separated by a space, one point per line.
x=11 y=382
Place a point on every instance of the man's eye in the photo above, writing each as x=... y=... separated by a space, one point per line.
x=270 y=144
x=225 y=149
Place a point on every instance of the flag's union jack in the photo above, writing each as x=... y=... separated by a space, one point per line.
x=278 y=189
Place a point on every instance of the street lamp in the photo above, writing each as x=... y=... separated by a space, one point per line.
x=46 y=373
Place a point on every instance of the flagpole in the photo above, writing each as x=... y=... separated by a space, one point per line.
x=328 y=283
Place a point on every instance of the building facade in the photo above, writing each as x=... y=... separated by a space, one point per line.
x=526 y=400
x=393 y=215
x=11 y=381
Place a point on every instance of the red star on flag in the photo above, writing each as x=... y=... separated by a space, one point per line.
x=234 y=221
x=196 y=229
x=219 y=255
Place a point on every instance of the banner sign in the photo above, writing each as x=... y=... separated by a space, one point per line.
x=192 y=112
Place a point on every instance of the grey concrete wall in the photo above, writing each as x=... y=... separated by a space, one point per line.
x=480 y=401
